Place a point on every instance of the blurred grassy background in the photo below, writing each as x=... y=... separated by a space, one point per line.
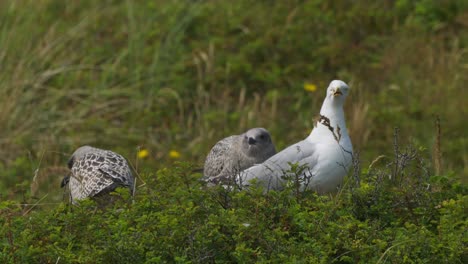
x=177 y=76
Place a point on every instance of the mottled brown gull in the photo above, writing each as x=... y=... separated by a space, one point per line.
x=95 y=172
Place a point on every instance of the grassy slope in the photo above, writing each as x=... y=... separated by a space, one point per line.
x=180 y=75
x=174 y=75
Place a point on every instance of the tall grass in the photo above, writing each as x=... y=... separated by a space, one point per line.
x=179 y=75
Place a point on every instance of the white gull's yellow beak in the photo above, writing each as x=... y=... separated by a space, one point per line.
x=337 y=92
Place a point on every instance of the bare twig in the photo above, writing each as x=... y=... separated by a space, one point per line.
x=396 y=151
x=35 y=204
x=437 y=157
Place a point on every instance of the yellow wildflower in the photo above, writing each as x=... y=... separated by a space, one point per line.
x=142 y=153
x=310 y=87
x=174 y=154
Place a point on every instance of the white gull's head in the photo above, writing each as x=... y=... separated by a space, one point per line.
x=337 y=91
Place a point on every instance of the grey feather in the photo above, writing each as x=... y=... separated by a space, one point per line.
x=273 y=170
x=236 y=153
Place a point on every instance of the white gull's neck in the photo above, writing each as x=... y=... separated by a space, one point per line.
x=333 y=111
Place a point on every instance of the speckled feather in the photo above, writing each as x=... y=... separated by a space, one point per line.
x=96 y=171
x=214 y=163
x=233 y=154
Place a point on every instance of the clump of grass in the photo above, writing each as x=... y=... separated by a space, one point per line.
x=406 y=175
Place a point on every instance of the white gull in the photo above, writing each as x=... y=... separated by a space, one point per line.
x=320 y=161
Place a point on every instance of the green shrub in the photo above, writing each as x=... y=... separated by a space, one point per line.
x=175 y=218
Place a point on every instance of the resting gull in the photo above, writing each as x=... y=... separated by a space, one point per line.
x=95 y=172
x=235 y=153
x=320 y=161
